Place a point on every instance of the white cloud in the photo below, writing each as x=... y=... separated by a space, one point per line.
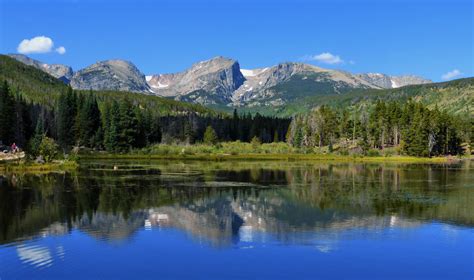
x=325 y=57
x=61 y=50
x=451 y=74
x=38 y=44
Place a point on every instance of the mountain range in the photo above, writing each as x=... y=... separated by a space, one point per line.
x=283 y=90
x=220 y=82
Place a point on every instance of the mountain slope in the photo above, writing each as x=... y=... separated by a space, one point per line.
x=283 y=89
x=386 y=81
x=286 y=82
x=111 y=75
x=36 y=86
x=59 y=71
x=207 y=82
x=220 y=83
x=456 y=97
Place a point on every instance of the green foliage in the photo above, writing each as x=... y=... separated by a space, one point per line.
x=210 y=136
x=455 y=97
x=111 y=119
x=88 y=122
x=7 y=115
x=373 y=153
x=48 y=149
x=66 y=118
x=38 y=87
x=417 y=130
x=255 y=142
x=35 y=85
x=127 y=126
x=120 y=121
x=225 y=148
x=35 y=141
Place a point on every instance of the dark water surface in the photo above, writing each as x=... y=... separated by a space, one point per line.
x=239 y=220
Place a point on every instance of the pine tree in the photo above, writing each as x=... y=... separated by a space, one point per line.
x=255 y=142
x=66 y=118
x=364 y=143
x=275 y=136
x=210 y=136
x=7 y=115
x=142 y=128
x=127 y=126
x=153 y=132
x=88 y=122
x=35 y=141
x=23 y=129
x=416 y=139
x=188 y=133
x=298 y=138
x=111 y=120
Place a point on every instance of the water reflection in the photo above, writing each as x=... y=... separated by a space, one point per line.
x=224 y=204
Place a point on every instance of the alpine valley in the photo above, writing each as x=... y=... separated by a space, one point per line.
x=282 y=89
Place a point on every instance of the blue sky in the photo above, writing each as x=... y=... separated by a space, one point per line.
x=422 y=37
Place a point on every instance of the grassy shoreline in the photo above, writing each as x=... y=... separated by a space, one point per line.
x=268 y=157
x=234 y=151
x=280 y=151
x=27 y=167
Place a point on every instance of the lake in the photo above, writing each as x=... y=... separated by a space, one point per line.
x=239 y=220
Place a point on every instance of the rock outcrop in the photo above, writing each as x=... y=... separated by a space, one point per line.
x=60 y=71
x=207 y=82
x=118 y=75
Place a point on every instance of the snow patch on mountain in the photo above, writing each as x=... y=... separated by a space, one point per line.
x=394 y=84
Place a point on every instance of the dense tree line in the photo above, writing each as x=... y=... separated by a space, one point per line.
x=191 y=128
x=79 y=119
x=411 y=126
x=15 y=121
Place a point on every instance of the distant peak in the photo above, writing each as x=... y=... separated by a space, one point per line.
x=217 y=59
x=114 y=62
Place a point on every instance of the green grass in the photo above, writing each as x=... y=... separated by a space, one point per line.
x=246 y=151
x=263 y=157
x=32 y=167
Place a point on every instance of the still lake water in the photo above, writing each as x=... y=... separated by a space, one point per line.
x=239 y=220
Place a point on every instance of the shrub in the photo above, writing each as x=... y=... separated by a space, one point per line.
x=48 y=149
x=255 y=142
x=373 y=153
x=388 y=152
x=210 y=136
x=344 y=152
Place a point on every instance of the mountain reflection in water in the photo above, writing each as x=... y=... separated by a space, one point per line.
x=222 y=204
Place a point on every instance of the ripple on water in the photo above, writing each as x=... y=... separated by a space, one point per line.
x=34 y=255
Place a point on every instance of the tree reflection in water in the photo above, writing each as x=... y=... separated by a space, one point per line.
x=223 y=203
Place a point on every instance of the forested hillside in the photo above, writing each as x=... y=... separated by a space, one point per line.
x=456 y=97
x=37 y=111
x=392 y=127
x=78 y=119
x=38 y=87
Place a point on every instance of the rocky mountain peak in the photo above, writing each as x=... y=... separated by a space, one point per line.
x=378 y=79
x=111 y=75
x=405 y=80
x=58 y=71
x=206 y=82
x=220 y=80
x=260 y=83
x=386 y=81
